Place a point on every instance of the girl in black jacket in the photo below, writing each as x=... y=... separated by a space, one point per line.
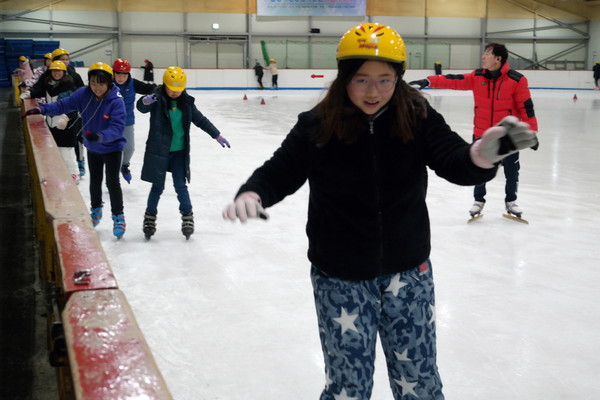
x=172 y=111
x=55 y=84
x=364 y=150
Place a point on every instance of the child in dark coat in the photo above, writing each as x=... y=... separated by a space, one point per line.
x=52 y=86
x=172 y=111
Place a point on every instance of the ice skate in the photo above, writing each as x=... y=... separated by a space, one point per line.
x=96 y=214
x=475 y=211
x=119 y=225
x=126 y=172
x=187 y=225
x=514 y=212
x=149 y=225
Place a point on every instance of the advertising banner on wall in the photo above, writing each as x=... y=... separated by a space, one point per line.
x=313 y=8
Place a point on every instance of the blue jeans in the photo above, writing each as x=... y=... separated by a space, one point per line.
x=177 y=167
x=400 y=309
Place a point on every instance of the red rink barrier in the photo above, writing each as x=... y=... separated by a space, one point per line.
x=94 y=341
x=109 y=358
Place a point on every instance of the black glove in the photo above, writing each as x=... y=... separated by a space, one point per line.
x=421 y=83
x=535 y=146
x=32 y=111
x=91 y=136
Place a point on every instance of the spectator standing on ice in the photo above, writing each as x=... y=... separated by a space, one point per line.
x=258 y=71
x=148 y=71
x=272 y=67
x=597 y=75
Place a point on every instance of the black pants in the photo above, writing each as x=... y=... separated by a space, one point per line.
x=511 y=173
x=98 y=164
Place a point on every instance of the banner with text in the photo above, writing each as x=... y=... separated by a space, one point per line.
x=312 y=8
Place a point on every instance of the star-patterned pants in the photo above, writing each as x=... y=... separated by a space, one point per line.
x=398 y=307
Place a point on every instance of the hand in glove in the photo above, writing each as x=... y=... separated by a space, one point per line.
x=535 y=146
x=25 y=95
x=420 y=84
x=502 y=140
x=62 y=122
x=149 y=99
x=246 y=205
x=91 y=136
x=222 y=141
x=32 y=111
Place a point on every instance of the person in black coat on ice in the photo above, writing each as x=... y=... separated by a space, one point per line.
x=148 y=71
x=258 y=71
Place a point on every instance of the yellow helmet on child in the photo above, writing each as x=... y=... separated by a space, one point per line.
x=58 y=65
x=102 y=67
x=372 y=41
x=59 y=52
x=48 y=56
x=175 y=79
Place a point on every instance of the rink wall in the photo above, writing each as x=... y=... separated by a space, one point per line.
x=94 y=341
x=315 y=79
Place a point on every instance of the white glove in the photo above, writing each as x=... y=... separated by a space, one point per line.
x=62 y=122
x=246 y=205
x=25 y=95
x=502 y=140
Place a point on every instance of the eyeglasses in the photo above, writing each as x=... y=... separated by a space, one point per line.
x=382 y=85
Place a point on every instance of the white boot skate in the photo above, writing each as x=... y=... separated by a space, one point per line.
x=514 y=212
x=475 y=211
x=513 y=208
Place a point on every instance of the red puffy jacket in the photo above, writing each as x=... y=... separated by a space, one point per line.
x=494 y=99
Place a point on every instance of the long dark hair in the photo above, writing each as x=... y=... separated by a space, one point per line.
x=343 y=120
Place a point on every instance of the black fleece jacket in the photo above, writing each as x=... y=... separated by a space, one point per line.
x=367 y=214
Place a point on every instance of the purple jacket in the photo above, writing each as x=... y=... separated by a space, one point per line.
x=106 y=117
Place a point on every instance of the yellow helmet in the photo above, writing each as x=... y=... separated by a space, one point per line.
x=102 y=67
x=272 y=60
x=372 y=41
x=59 y=52
x=175 y=79
x=23 y=59
x=58 y=65
x=48 y=56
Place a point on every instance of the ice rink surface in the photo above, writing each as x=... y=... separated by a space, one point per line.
x=229 y=314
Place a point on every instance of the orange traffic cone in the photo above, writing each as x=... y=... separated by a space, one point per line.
x=245 y=97
x=262 y=101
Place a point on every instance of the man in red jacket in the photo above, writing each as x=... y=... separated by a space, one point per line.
x=498 y=91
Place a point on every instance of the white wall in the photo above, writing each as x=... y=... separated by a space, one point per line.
x=303 y=78
x=167 y=45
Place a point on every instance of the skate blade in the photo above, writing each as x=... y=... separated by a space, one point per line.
x=475 y=218
x=515 y=218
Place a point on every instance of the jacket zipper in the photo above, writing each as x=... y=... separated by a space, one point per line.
x=377 y=191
